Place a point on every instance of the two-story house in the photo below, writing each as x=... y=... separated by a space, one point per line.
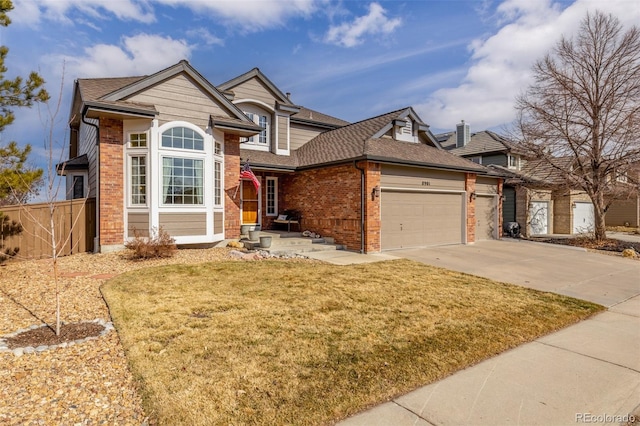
x=167 y=150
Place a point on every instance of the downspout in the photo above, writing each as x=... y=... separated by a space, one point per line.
x=96 y=239
x=362 y=201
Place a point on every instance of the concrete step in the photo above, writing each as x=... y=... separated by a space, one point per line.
x=286 y=243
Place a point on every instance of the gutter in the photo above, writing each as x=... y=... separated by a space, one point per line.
x=96 y=248
x=362 y=201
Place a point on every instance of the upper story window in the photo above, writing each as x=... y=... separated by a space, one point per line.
x=182 y=138
x=513 y=162
x=137 y=140
x=477 y=159
x=262 y=118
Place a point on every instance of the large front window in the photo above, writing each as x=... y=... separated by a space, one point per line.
x=182 y=181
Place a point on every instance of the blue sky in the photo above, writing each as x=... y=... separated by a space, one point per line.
x=450 y=60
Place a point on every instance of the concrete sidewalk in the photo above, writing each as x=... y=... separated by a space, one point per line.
x=586 y=373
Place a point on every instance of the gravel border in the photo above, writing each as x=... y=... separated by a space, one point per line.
x=88 y=383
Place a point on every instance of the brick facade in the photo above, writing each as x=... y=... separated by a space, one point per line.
x=329 y=200
x=112 y=183
x=231 y=182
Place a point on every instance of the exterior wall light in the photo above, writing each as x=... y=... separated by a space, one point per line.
x=375 y=192
x=472 y=196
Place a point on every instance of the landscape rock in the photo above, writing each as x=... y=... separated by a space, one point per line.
x=631 y=253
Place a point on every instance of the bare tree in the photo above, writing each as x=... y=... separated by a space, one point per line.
x=584 y=108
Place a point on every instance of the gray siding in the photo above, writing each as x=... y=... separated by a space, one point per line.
x=184 y=224
x=509 y=205
x=87 y=145
x=416 y=178
x=253 y=89
x=499 y=160
x=180 y=98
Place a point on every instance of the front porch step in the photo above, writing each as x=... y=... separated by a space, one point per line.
x=285 y=243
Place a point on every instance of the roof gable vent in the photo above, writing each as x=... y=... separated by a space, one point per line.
x=462 y=134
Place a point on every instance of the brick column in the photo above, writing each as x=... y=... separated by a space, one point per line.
x=231 y=182
x=470 y=187
x=111 y=183
x=500 y=200
x=372 y=223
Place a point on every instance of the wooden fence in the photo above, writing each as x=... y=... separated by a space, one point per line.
x=74 y=222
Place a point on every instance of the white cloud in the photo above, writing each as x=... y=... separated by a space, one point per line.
x=249 y=16
x=206 y=36
x=33 y=12
x=350 y=34
x=136 y=55
x=501 y=64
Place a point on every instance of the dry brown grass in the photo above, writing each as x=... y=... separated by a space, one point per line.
x=308 y=343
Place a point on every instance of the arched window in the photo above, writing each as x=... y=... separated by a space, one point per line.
x=182 y=176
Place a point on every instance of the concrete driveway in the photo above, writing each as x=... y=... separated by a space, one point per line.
x=585 y=373
x=603 y=279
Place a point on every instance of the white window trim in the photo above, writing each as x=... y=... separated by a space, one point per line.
x=275 y=196
x=133 y=132
x=259 y=108
x=129 y=193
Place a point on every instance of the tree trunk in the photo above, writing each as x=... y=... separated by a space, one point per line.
x=599 y=231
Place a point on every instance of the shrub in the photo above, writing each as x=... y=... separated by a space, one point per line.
x=158 y=244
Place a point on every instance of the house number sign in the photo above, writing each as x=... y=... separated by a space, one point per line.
x=426 y=183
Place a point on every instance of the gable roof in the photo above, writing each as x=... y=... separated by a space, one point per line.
x=537 y=172
x=483 y=142
x=257 y=74
x=110 y=95
x=364 y=140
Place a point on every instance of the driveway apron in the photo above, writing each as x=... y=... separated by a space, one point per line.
x=585 y=373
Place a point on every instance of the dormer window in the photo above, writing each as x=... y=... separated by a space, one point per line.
x=262 y=119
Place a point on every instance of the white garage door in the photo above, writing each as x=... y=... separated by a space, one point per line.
x=539 y=217
x=486 y=212
x=583 y=218
x=418 y=219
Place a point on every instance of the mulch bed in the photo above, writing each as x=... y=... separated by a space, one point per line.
x=608 y=244
x=47 y=336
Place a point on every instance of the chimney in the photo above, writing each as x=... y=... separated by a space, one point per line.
x=288 y=95
x=462 y=134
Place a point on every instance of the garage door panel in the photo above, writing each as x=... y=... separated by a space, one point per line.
x=415 y=219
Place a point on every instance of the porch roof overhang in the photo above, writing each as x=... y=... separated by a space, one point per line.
x=80 y=163
x=234 y=126
x=111 y=109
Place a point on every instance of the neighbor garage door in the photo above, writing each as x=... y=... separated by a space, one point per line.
x=485 y=217
x=415 y=219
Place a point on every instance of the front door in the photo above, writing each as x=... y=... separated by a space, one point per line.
x=249 y=203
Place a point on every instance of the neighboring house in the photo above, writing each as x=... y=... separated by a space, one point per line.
x=534 y=195
x=167 y=150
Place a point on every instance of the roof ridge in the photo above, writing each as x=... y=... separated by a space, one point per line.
x=373 y=118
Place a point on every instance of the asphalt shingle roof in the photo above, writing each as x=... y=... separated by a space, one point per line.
x=483 y=142
x=357 y=141
x=93 y=89
x=307 y=114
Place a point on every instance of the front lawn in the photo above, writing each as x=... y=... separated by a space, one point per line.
x=275 y=342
